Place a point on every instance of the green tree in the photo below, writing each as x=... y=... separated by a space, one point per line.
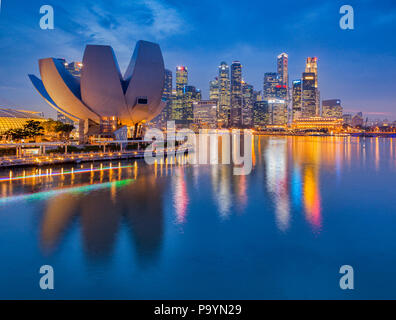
x=64 y=129
x=16 y=134
x=33 y=128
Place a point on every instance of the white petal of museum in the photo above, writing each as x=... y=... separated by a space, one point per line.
x=102 y=93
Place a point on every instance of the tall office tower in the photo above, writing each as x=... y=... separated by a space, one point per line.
x=166 y=113
x=257 y=96
x=178 y=112
x=261 y=114
x=309 y=93
x=181 y=80
x=248 y=99
x=224 y=105
x=214 y=90
x=281 y=91
x=278 y=111
x=296 y=100
x=283 y=69
x=332 y=108
x=191 y=95
x=312 y=67
x=236 y=94
x=271 y=80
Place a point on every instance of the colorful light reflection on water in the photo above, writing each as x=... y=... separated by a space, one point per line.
x=173 y=230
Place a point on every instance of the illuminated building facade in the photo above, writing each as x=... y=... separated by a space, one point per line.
x=261 y=114
x=309 y=99
x=271 y=80
x=278 y=111
x=236 y=94
x=191 y=95
x=247 y=105
x=178 y=112
x=224 y=105
x=312 y=67
x=317 y=123
x=281 y=91
x=166 y=113
x=101 y=93
x=214 y=90
x=283 y=70
x=205 y=114
x=297 y=99
x=332 y=108
x=15 y=119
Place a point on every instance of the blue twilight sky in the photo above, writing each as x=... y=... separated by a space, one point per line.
x=356 y=66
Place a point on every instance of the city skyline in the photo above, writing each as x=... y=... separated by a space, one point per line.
x=308 y=30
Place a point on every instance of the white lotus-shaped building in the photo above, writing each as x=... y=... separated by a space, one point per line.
x=102 y=93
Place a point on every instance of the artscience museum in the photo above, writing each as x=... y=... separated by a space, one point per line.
x=102 y=100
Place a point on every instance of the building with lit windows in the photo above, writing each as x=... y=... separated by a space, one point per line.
x=247 y=105
x=332 y=108
x=317 y=124
x=236 y=94
x=214 y=90
x=16 y=119
x=261 y=114
x=311 y=66
x=166 y=113
x=283 y=69
x=205 y=114
x=178 y=112
x=281 y=91
x=278 y=111
x=224 y=105
x=271 y=80
x=296 y=99
x=309 y=99
x=191 y=95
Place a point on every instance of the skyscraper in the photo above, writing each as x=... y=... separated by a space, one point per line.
x=296 y=100
x=236 y=94
x=271 y=80
x=309 y=94
x=181 y=80
x=312 y=67
x=214 y=90
x=166 y=114
x=247 y=104
x=332 y=108
x=278 y=111
x=283 y=69
x=224 y=96
x=281 y=91
x=261 y=115
x=191 y=95
x=178 y=112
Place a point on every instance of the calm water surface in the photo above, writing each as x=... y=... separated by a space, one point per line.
x=310 y=205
